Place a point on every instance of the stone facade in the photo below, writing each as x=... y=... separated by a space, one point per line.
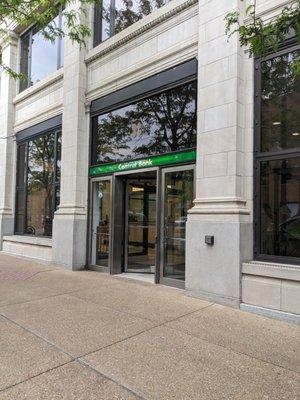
x=223 y=205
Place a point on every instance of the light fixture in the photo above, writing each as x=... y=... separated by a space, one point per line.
x=295 y=134
x=276 y=123
x=137 y=189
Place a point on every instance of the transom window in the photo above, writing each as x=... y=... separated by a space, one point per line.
x=40 y=57
x=115 y=15
x=278 y=157
x=162 y=123
x=38 y=183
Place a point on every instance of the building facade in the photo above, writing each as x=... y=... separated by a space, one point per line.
x=160 y=149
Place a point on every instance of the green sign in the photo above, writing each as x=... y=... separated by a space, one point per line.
x=164 y=159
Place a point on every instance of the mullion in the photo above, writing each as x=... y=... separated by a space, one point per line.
x=26 y=188
x=112 y=17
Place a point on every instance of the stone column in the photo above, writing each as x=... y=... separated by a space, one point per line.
x=224 y=157
x=70 y=221
x=9 y=46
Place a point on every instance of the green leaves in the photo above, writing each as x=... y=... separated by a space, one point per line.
x=42 y=13
x=261 y=37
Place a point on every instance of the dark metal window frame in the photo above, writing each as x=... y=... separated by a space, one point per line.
x=169 y=79
x=98 y=20
x=30 y=32
x=289 y=46
x=24 y=187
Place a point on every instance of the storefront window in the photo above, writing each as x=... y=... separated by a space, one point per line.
x=38 y=184
x=278 y=158
x=40 y=57
x=115 y=15
x=280 y=207
x=160 y=124
x=280 y=99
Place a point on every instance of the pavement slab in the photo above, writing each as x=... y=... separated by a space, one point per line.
x=77 y=326
x=69 y=382
x=68 y=281
x=269 y=340
x=11 y=263
x=156 y=303
x=23 y=355
x=87 y=335
x=163 y=363
x=23 y=291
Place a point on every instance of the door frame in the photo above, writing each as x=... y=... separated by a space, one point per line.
x=161 y=279
x=126 y=223
x=94 y=266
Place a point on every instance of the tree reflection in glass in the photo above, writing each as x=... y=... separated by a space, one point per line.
x=40 y=185
x=163 y=123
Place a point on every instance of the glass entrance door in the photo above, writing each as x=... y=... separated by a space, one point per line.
x=140 y=225
x=101 y=222
x=178 y=195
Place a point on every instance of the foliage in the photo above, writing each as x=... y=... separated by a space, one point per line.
x=260 y=37
x=42 y=13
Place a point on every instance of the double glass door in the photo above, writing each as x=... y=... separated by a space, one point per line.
x=154 y=214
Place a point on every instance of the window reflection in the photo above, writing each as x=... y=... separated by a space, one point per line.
x=280 y=112
x=43 y=56
x=116 y=15
x=38 y=191
x=40 y=186
x=280 y=207
x=40 y=57
x=162 y=123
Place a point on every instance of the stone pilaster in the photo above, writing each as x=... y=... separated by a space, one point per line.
x=9 y=46
x=70 y=221
x=221 y=206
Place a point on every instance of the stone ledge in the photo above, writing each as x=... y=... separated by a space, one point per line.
x=138 y=28
x=273 y=270
x=267 y=312
x=39 y=86
x=36 y=241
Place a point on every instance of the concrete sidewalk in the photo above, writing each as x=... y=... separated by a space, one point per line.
x=85 y=335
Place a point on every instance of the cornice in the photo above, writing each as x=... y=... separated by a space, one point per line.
x=266 y=12
x=143 y=26
x=10 y=38
x=40 y=86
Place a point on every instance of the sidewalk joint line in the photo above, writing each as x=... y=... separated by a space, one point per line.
x=34 y=376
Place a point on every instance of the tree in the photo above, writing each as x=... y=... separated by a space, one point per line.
x=42 y=13
x=260 y=37
x=159 y=124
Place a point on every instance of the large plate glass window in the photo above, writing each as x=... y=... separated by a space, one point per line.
x=40 y=57
x=112 y=16
x=163 y=123
x=278 y=157
x=38 y=182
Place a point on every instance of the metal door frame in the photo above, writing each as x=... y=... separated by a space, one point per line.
x=161 y=279
x=156 y=170
x=90 y=236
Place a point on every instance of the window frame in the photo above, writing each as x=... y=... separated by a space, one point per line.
x=55 y=183
x=131 y=101
x=30 y=32
x=97 y=36
x=259 y=156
